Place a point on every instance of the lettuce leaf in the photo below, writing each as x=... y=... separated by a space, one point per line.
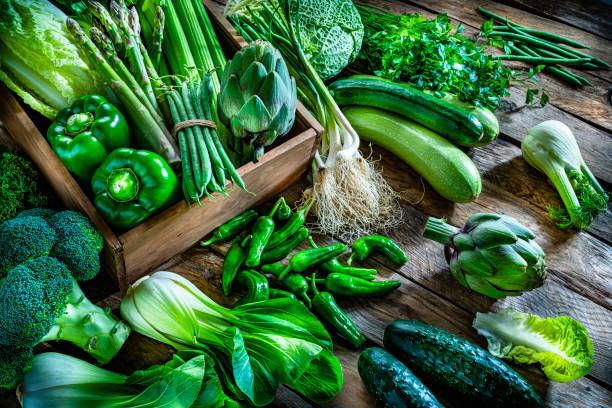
x=38 y=58
x=561 y=345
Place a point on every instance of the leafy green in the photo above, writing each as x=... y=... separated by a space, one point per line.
x=38 y=59
x=257 y=346
x=561 y=345
x=57 y=380
x=21 y=186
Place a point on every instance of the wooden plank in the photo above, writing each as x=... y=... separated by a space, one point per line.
x=592 y=16
x=592 y=104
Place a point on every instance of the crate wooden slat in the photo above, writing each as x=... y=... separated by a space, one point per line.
x=133 y=253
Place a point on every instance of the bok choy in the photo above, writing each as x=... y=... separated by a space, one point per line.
x=256 y=346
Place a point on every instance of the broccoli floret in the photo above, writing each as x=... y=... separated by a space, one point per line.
x=24 y=238
x=19 y=186
x=78 y=244
x=37 y=212
x=33 y=295
x=41 y=301
x=14 y=363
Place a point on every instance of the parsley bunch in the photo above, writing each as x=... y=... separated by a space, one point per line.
x=428 y=55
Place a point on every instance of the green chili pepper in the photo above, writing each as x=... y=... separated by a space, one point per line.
x=303 y=260
x=83 y=134
x=131 y=185
x=325 y=304
x=364 y=246
x=295 y=283
x=262 y=230
x=280 y=294
x=284 y=211
x=231 y=264
x=292 y=225
x=232 y=228
x=347 y=285
x=280 y=252
x=256 y=284
x=333 y=265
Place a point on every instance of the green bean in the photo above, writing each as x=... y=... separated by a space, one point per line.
x=191 y=132
x=543 y=60
x=541 y=34
x=203 y=148
x=526 y=38
x=189 y=190
x=557 y=71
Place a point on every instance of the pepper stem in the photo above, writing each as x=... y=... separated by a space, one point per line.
x=314 y=285
x=276 y=207
x=284 y=272
x=438 y=230
x=78 y=123
x=122 y=185
x=350 y=258
x=210 y=241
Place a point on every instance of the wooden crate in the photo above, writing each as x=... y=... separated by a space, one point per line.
x=131 y=254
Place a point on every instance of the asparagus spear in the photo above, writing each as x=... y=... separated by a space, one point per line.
x=97 y=9
x=150 y=129
x=120 y=14
x=134 y=21
x=158 y=36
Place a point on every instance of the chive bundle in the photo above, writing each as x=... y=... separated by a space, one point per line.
x=542 y=48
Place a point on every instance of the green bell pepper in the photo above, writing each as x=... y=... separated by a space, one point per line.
x=83 y=134
x=131 y=185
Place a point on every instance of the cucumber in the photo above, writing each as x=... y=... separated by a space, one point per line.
x=452 y=122
x=449 y=170
x=391 y=383
x=487 y=118
x=468 y=372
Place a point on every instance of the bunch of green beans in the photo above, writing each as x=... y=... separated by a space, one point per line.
x=205 y=164
x=543 y=48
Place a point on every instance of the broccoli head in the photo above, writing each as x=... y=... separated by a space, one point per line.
x=78 y=244
x=20 y=186
x=24 y=238
x=14 y=363
x=66 y=235
x=33 y=295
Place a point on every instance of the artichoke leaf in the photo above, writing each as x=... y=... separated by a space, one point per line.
x=252 y=79
x=492 y=234
x=473 y=262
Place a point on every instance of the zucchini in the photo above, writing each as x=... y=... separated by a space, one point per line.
x=449 y=170
x=487 y=118
x=452 y=122
x=469 y=372
x=391 y=383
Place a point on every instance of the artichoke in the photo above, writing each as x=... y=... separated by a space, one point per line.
x=257 y=99
x=492 y=254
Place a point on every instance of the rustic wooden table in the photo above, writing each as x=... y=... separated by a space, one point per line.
x=579 y=281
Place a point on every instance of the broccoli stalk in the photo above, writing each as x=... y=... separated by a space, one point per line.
x=551 y=148
x=90 y=327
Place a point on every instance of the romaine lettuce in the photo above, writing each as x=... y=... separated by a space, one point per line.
x=561 y=345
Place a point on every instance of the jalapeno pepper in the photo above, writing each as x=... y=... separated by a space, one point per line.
x=231 y=264
x=295 y=283
x=83 y=134
x=232 y=228
x=364 y=246
x=303 y=260
x=256 y=285
x=262 y=230
x=325 y=304
x=280 y=252
x=280 y=294
x=333 y=265
x=347 y=285
x=292 y=225
x=284 y=211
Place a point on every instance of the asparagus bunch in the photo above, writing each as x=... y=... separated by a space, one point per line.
x=115 y=47
x=206 y=166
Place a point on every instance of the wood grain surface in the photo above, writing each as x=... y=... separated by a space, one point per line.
x=579 y=282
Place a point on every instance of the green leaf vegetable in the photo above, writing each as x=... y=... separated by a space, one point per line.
x=428 y=55
x=352 y=198
x=551 y=148
x=491 y=254
x=257 y=346
x=561 y=344
x=42 y=255
x=60 y=381
x=20 y=186
x=39 y=59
